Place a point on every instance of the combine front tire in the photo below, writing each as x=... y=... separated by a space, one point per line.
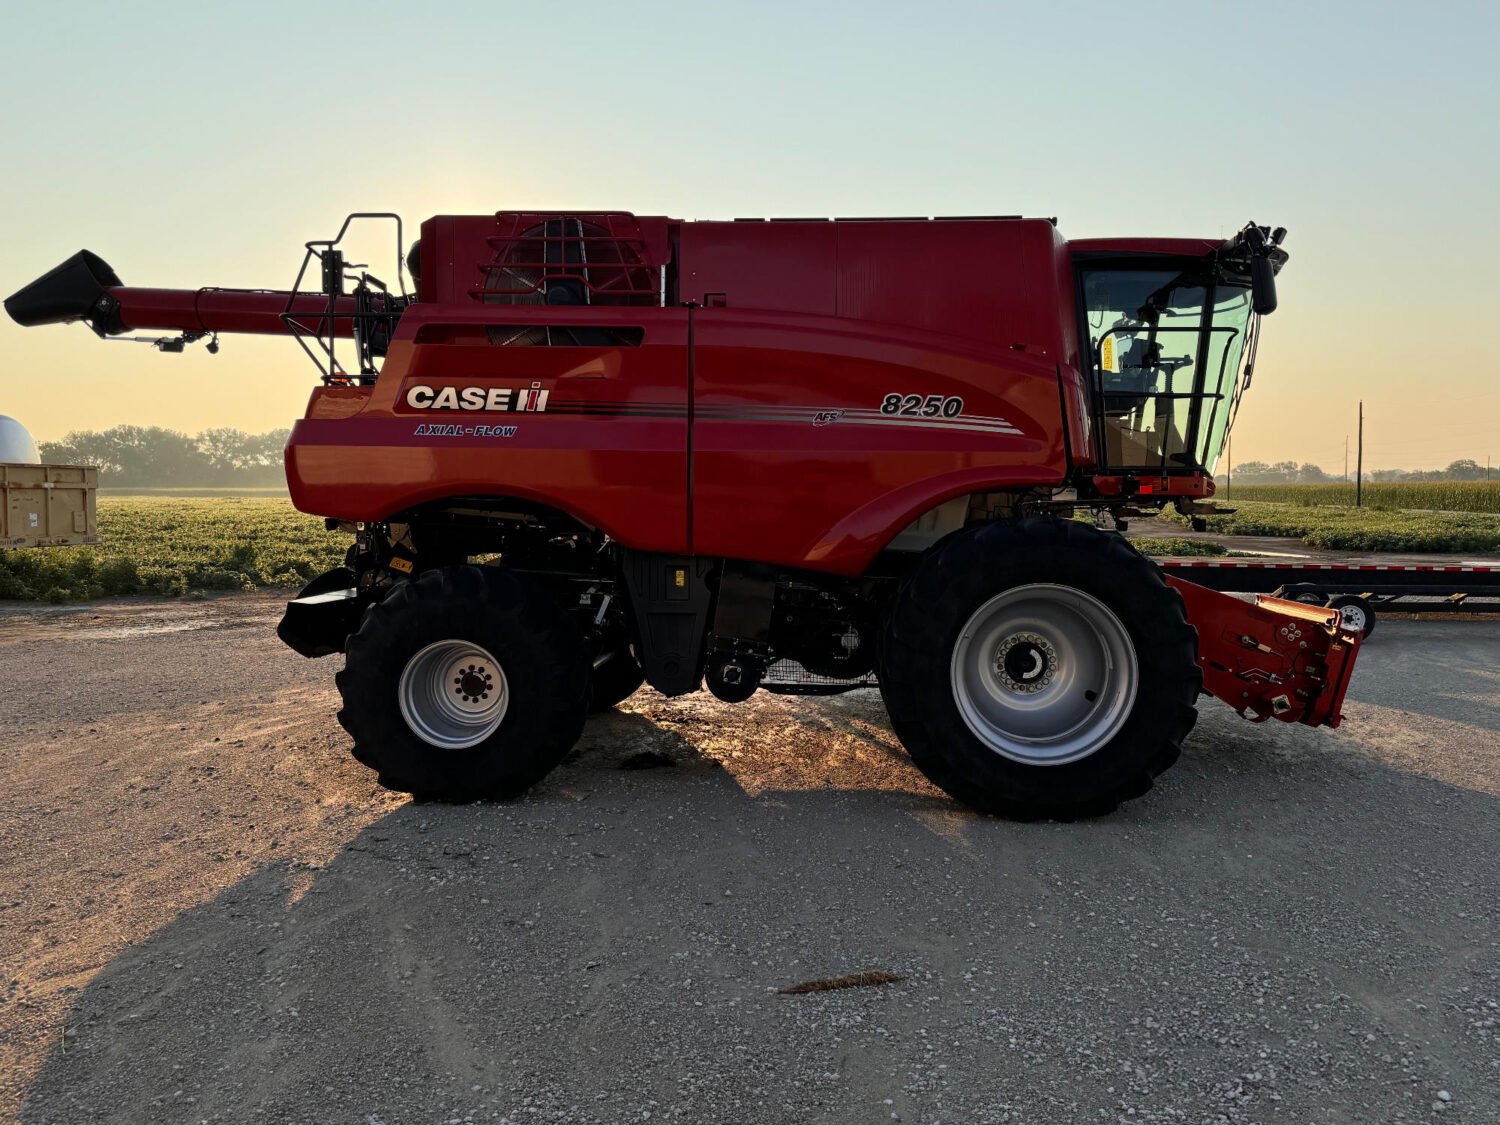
x=464 y=683
x=1040 y=669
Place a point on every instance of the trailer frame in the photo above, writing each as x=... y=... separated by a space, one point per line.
x=1376 y=584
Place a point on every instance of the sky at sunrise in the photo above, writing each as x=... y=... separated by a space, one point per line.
x=196 y=144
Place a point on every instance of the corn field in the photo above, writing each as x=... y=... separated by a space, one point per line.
x=1436 y=495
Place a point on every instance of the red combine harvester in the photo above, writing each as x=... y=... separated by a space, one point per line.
x=587 y=449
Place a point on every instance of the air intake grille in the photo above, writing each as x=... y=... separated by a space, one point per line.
x=568 y=260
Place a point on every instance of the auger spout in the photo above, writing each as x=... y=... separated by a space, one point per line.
x=85 y=288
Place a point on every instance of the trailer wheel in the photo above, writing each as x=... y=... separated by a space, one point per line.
x=615 y=680
x=1355 y=613
x=464 y=683
x=1040 y=669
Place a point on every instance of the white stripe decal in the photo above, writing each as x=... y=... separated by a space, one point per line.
x=790 y=415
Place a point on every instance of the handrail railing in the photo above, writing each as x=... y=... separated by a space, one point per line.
x=376 y=309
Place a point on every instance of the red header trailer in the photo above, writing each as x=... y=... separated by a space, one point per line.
x=704 y=450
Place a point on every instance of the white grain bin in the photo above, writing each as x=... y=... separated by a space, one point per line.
x=16 y=446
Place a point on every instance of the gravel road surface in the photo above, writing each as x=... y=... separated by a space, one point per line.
x=209 y=913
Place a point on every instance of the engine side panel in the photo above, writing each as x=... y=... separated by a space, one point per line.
x=604 y=438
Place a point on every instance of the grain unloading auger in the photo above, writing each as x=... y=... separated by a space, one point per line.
x=591 y=448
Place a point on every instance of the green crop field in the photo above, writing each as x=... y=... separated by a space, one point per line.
x=1359 y=529
x=1176 y=546
x=175 y=544
x=1437 y=495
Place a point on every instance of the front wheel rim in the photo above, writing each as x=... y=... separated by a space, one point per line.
x=1044 y=674
x=453 y=694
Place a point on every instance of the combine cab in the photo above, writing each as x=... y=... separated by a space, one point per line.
x=577 y=451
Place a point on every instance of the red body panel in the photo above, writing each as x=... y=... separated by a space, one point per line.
x=791 y=488
x=610 y=449
x=809 y=326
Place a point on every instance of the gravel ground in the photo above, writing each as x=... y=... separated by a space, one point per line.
x=209 y=913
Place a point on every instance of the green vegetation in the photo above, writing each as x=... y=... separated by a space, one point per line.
x=1176 y=546
x=169 y=545
x=1359 y=529
x=1444 y=496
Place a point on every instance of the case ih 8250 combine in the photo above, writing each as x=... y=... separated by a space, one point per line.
x=585 y=449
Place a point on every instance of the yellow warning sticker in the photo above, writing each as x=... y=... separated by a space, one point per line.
x=403 y=565
x=1107 y=353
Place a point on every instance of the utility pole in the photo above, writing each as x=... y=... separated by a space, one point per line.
x=1359 y=457
x=1229 y=469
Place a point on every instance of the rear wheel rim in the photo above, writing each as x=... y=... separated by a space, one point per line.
x=1044 y=674
x=453 y=694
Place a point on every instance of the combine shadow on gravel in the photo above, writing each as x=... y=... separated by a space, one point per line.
x=1283 y=931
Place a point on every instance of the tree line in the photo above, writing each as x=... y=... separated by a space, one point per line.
x=155 y=457
x=1290 y=472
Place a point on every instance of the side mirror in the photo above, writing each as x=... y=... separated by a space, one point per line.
x=1262 y=243
x=1262 y=285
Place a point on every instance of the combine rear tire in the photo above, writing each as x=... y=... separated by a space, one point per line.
x=464 y=683
x=1040 y=669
